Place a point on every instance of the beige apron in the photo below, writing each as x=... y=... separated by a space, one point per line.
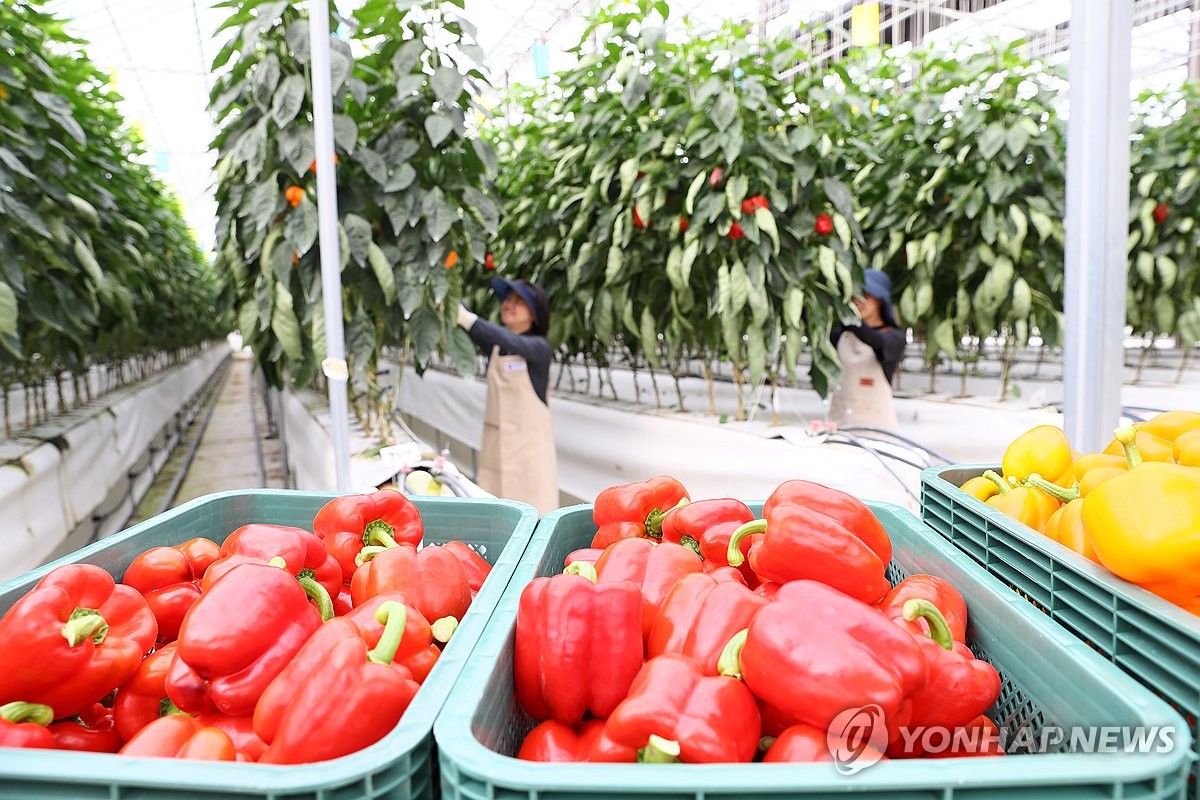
x=864 y=396
x=517 y=458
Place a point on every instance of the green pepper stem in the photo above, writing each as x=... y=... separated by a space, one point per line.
x=766 y=743
x=379 y=533
x=394 y=617
x=279 y=562
x=1127 y=436
x=939 y=631
x=654 y=519
x=368 y=553
x=1059 y=493
x=659 y=750
x=734 y=554
x=584 y=568
x=443 y=629
x=318 y=593
x=729 y=663
x=19 y=712
x=995 y=478
x=691 y=544
x=85 y=623
x=167 y=708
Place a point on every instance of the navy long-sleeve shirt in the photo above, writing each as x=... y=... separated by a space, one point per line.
x=533 y=348
x=887 y=342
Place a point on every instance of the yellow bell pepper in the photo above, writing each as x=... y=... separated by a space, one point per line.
x=1065 y=526
x=1023 y=503
x=1097 y=476
x=1044 y=451
x=1086 y=463
x=1171 y=424
x=980 y=488
x=1145 y=524
x=1187 y=449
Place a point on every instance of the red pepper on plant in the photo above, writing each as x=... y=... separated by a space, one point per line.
x=169 y=579
x=241 y=633
x=637 y=220
x=676 y=713
x=420 y=647
x=653 y=568
x=752 y=204
x=24 y=725
x=72 y=639
x=698 y=618
x=337 y=696
x=812 y=532
x=432 y=580
x=811 y=632
x=959 y=688
x=303 y=553
x=635 y=509
x=475 y=565
x=736 y=232
x=714 y=178
x=489 y=261
x=578 y=645
x=683 y=225
x=823 y=224
x=556 y=742
x=181 y=736
x=687 y=524
x=1160 y=213
x=351 y=522
x=936 y=590
x=294 y=195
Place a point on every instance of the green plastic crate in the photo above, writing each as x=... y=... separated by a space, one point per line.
x=1156 y=642
x=1050 y=678
x=402 y=765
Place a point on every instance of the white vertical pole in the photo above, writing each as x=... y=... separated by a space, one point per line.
x=1097 y=222
x=334 y=365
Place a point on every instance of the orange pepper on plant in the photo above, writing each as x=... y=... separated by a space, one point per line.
x=294 y=195
x=451 y=259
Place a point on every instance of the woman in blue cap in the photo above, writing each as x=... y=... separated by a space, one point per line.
x=517 y=458
x=870 y=353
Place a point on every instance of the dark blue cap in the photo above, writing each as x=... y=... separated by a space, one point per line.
x=879 y=285
x=504 y=287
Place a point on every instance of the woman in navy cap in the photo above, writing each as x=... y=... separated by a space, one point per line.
x=870 y=353
x=517 y=458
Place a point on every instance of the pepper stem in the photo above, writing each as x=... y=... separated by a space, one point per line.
x=734 y=554
x=691 y=544
x=1127 y=436
x=659 y=751
x=85 y=623
x=995 y=478
x=394 y=617
x=368 y=553
x=766 y=743
x=443 y=629
x=20 y=712
x=379 y=533
x=654 y=519
x=318 y=593
x=1053 y=489
x=584 y=568
x=166 y=708
x=279 y=562
x=730 y=661
x=939 y=631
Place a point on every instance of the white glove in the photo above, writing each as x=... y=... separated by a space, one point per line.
x=465 y=318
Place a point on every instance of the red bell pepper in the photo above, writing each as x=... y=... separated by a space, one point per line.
x=801 y=744
x=240 y=634
x=714 y=549
x=768 y=589
x=475 y=565
x=589 y=554
x=169 y=579
x=143 y=698
x=303 y=553
x=811 y=634
x=635 y=509
x=578 y=645
x=343 y=602
x=432 y=580
x=698 y=618
x=978 y=738
x=936 y=590
x=959 y=689
x=348 y=524
x=727 y=574
x=687 y=524
x=72 y=639
x=654 y=568
x=676 y=713
x=417 y=649
x=336 y=696
x=812 y=532
x=181 y=736
x=24 y=725
x=557 y=742
x=92 y=730
x=240 y=731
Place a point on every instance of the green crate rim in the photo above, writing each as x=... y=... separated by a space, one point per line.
x=67 y=768
x=461 y=752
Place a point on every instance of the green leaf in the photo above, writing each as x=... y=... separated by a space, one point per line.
x=462 y=350
x=284 y=324
x=401 y=179
x=300 y=227
x=345 y=133
x=634 y=92
x=383 y=272
x=1042 y=222
x=438 y=128
x=408 y=56
x=756 y=354
x=88 y=261
x=298 y=40
x=674 y=262
x=1022 y=299
x=839 y=194
x=288 y=99
x=425 y=330
x=793 y=308
x=1164 y=313
x=486 y=154
x=266 y=78
x=616 y=261
x=1145 y=184
x=12 y=162
x=9 y=316
x=991 y=140
x=85 y=208
x=1015 y=140
x=724 y=109
x=735 y=192
x=340 y=63
x=689 y=258
x=648 y=332
x=1145 y=267
x=1168 y=271
x=358 y=237
x=439 y=217
x=447 y=85
x=693 y=190
x=739 y=287
x=827 y=263
x=765 y=221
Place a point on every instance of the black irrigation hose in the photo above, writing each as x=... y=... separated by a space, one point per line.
x=855 y=441
x=927 y=450
x=173 y=490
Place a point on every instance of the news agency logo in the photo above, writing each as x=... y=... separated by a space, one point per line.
x=858 y=737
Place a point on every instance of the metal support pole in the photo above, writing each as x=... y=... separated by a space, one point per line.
x=1097 y=221
x=334 y=366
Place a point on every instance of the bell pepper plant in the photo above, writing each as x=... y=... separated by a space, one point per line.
x=556 y=742
x=635 y=509
x=699 y=616
x=336 y=696
x=349 y=523
x=432 y=580
x=653 y=568
x=75 y=637
x=169 y=579
x=578 y=645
